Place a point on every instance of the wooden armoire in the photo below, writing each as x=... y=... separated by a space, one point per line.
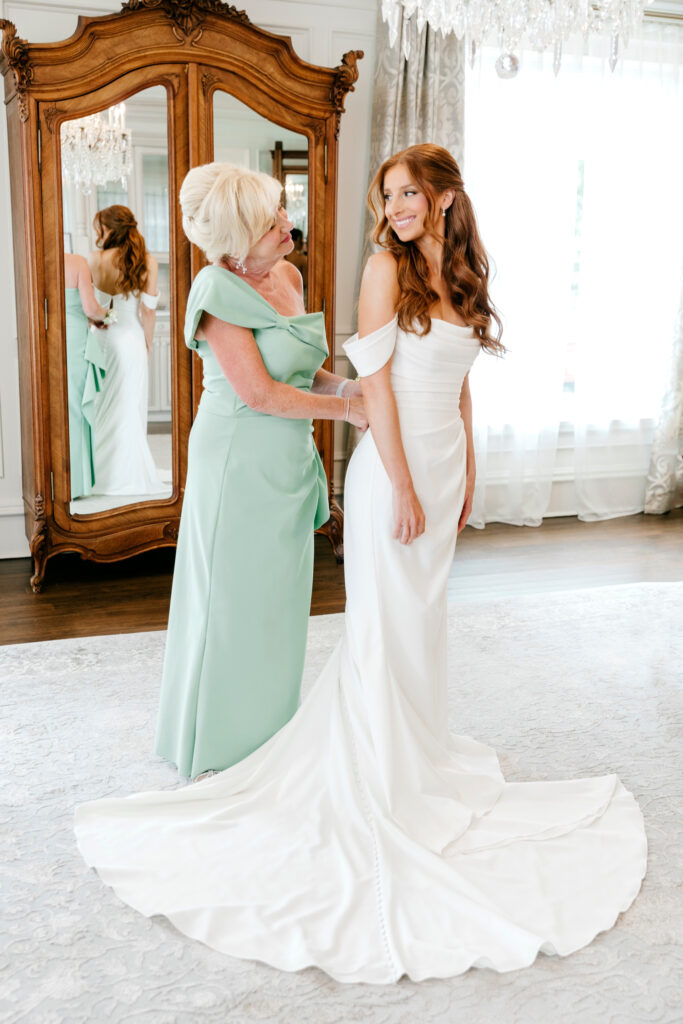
x=189 y=52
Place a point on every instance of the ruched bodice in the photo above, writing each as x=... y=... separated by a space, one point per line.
x=432 y=365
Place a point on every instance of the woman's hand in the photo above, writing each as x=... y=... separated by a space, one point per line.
x=409 y=519
x=467 y=504
x=357 y=415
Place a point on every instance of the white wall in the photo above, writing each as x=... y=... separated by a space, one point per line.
x=321 y=32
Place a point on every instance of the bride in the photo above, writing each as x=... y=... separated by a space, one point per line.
x=364 y=837
x=125 y=276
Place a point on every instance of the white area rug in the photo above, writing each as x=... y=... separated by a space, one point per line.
x=563 y=685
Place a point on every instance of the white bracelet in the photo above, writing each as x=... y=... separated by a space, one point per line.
x=340 y=387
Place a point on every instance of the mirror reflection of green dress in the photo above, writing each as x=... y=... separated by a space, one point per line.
x=255 y=492
x=85 y=370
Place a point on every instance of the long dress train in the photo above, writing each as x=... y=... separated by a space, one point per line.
x=364 y=838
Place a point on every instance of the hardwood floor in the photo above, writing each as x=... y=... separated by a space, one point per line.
x=88 y=599
x=566 y=554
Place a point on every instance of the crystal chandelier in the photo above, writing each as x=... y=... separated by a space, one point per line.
x=296 y=198
x=546 y=24
x=96 y=149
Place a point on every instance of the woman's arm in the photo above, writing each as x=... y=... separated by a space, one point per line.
x=149 y=316
x=240 y=360
x=471 y=472
x=91 y=306
x=326 y=383
x=377 y=302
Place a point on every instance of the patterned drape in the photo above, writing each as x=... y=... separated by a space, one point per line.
x=416 y=99
x=664 y=488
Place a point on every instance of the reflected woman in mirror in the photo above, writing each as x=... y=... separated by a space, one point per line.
x=85 y=369
x=125 y=277
x=256 y=488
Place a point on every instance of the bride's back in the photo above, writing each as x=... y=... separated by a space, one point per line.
x=105 y=269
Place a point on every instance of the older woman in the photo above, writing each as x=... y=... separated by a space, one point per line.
x=256 y=489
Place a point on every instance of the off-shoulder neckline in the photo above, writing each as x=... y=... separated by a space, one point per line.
x=283 y=316
x=435 y=319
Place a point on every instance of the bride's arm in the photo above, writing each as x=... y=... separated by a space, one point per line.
x=148 y=316
x=466 y=413
x=376 y=307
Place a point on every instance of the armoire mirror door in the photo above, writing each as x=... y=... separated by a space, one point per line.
x=117 y=397
x=115 y=224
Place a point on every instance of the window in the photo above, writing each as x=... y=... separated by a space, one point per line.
x=576 y=184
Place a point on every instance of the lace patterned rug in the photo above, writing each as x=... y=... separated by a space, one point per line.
x=562 y=685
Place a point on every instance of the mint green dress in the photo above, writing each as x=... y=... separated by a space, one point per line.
x=85 y=372
x=255 y=492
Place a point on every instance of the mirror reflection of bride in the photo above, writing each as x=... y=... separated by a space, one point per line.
x=125 y=278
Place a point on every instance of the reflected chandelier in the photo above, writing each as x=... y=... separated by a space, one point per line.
x=546 y=24
x=96 y=149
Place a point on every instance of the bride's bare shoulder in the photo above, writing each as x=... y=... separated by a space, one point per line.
x=382 y=266
x=379 y=292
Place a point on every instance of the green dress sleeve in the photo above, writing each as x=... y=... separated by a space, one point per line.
x=221 y=293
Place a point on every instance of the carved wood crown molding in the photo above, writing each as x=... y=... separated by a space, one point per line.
x=50 y=115
x=15 y=52
x=346 y=74
x=187 y=15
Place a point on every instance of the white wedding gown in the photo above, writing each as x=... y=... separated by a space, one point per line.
x=123 y=460
x=364 y=837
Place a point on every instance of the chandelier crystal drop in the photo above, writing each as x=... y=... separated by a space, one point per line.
x=297 y=201
x=96 y=150
x=543 y=24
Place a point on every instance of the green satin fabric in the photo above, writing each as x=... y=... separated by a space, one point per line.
x=85 y=371
x=256 y=490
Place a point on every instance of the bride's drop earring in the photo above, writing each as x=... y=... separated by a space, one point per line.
x=443 y=212
x=240 y=266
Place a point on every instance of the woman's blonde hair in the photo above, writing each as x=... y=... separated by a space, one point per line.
x=227 y=209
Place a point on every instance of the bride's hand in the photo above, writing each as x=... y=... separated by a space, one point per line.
x=409 y=519
x=357 y=415
x=467 y=504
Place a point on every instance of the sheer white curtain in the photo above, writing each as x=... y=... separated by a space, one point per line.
x=576 y=181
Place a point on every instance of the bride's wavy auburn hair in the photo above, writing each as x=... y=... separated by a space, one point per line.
x=124 y=235
x=465 y=265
